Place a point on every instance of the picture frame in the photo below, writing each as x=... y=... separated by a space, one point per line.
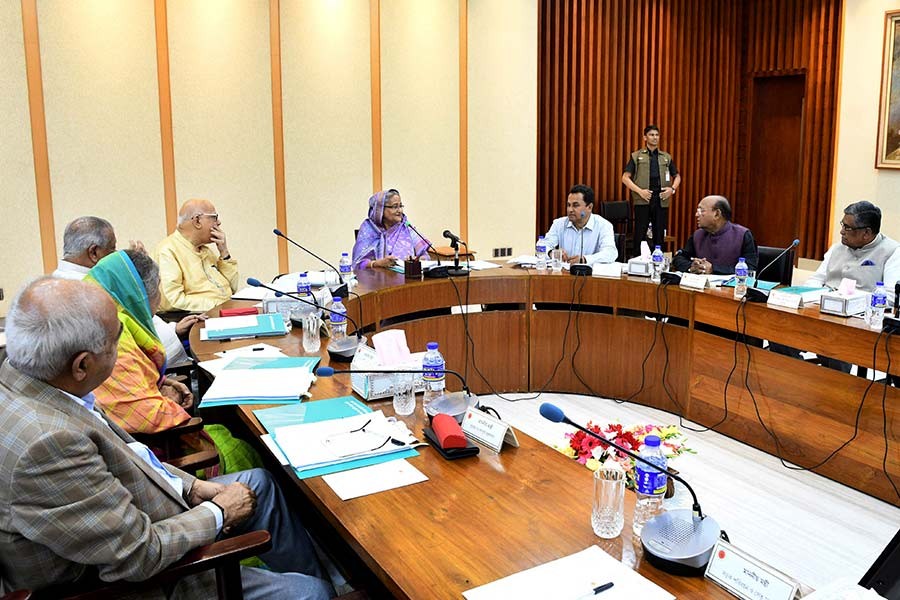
x=888 y=149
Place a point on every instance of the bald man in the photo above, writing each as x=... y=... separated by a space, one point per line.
x=718 y=243
x=192 y=275
x=81 y=499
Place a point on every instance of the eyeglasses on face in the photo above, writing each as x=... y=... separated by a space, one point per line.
x=845 y=227
x=213 y=216
x=393 y=207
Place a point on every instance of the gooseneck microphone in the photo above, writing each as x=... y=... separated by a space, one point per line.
x=757 y=295
x=677 y=541
x=581 y=268
x=454 y=243
x=437 y=272
x=342 y=288
x=338 y=352
x=454 y=239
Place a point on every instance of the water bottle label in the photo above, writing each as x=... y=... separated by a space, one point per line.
x=433 y=371
x=879 y=301
x=649 y=481
x=338 y=319
x=345 y=268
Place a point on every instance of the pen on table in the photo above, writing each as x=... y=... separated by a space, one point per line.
x=597 y=590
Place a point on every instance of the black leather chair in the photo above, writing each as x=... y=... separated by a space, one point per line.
x=619 y=214
x=781 y=272
x=620 y=246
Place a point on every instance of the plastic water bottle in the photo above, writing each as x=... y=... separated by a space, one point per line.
x=540 y=253
x=740 y=278
x=303 y=288
x=657 y=258
x=434 y=377
x=338 y=319
x=877 y=304
x=650 y=484
x=346 y=267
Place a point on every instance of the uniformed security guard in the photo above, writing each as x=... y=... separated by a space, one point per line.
x=652 y=178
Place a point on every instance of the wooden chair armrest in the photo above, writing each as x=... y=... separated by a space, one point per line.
x=195 y=461
x=222 y=554
x=160 y=438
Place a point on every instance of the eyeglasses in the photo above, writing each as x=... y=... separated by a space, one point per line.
x=359 y=441
x=845 y=227
x=213 y=216
x=394 y=207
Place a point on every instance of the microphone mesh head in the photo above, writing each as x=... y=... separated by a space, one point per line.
x=552 y=412
x=325 y=371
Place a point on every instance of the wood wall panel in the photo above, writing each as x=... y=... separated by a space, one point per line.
x=798 y=37
x=609 y=67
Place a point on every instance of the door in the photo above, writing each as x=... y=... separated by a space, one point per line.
x=773 y=173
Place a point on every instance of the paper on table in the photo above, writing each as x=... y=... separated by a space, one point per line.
x=843 y=589
x=373 y=479
x=523 y=260
x=391 y=347
x=239 y=322
x=481 y=265
x=272 y=445
x=259 y=384
x=572 y=577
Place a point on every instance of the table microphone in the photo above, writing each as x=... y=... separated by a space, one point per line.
x=342 y=288
x=454 y=243
x=340 y=351
x=438 y=272
x=582 y=269
x=755 y=295
x=677 y=541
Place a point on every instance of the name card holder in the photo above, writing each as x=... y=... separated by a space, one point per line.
x=694 y=281
x=777 y=298
x=488 y=430
x=748 y=578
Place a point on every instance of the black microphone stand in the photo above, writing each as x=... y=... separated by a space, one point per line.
x=456 y=271
x=342 y=288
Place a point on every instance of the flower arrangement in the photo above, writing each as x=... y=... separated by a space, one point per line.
x=591 y=452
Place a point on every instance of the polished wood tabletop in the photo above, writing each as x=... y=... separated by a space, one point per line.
x=477 y=520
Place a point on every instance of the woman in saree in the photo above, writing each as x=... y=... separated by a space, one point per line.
x=384 y=236
x=138 y=396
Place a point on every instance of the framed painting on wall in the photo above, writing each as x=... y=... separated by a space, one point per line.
x=888 y=156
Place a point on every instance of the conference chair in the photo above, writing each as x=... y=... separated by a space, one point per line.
x=781 y=272
x=223 y=556
x=168 y=441
x=620 y=246
x=619 y=214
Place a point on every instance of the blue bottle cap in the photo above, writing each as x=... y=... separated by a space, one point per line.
x=432 y=345
x=336 y=299
x=741 y=259
x=652 y=441
x=659 y=247
x=879 y=283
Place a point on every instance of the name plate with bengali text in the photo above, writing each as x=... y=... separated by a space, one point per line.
x=777 y=298
x=747 y=577
x=488 y=430
x=694 y=281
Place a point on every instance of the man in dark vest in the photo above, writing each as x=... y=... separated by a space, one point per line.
x=653 y=179
x=718 y=243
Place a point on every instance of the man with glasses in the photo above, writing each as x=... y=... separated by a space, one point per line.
x=718 y=243
x=864 y=255
x=193 y=276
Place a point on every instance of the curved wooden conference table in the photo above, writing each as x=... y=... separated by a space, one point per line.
x=477 y=520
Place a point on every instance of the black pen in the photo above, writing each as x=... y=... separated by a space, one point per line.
x=597 y=590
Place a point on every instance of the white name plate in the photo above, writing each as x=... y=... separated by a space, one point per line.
x=777 y=298
x=488 y=430
x=746 y=577
x=694 y=281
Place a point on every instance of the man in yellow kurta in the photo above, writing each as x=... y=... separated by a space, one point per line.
x=192 y=275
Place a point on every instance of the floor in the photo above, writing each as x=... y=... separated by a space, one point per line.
x=809 y=527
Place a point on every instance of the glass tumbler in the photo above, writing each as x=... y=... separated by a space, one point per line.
x=608 y=510
x=404 y=394
x=312 y=340
x=556 y=260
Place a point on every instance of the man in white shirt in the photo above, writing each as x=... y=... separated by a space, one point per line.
x=582 y=236
x=88 y=239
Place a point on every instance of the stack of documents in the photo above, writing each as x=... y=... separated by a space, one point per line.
x=261 y=380
x=279 y=422
x=249 y=326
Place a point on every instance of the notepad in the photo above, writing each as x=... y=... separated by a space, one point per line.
x=220 y=328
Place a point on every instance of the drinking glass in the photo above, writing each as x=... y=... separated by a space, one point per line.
x=556 y=260
x=608 y=510
x=312 y=340
x=404 y=394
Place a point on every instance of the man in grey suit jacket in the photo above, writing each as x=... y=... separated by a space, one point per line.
x=80 y=498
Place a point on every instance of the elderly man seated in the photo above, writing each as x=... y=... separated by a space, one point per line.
x=193 y=276
x=80 y=498
x=85 y=241
x=717 y=243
